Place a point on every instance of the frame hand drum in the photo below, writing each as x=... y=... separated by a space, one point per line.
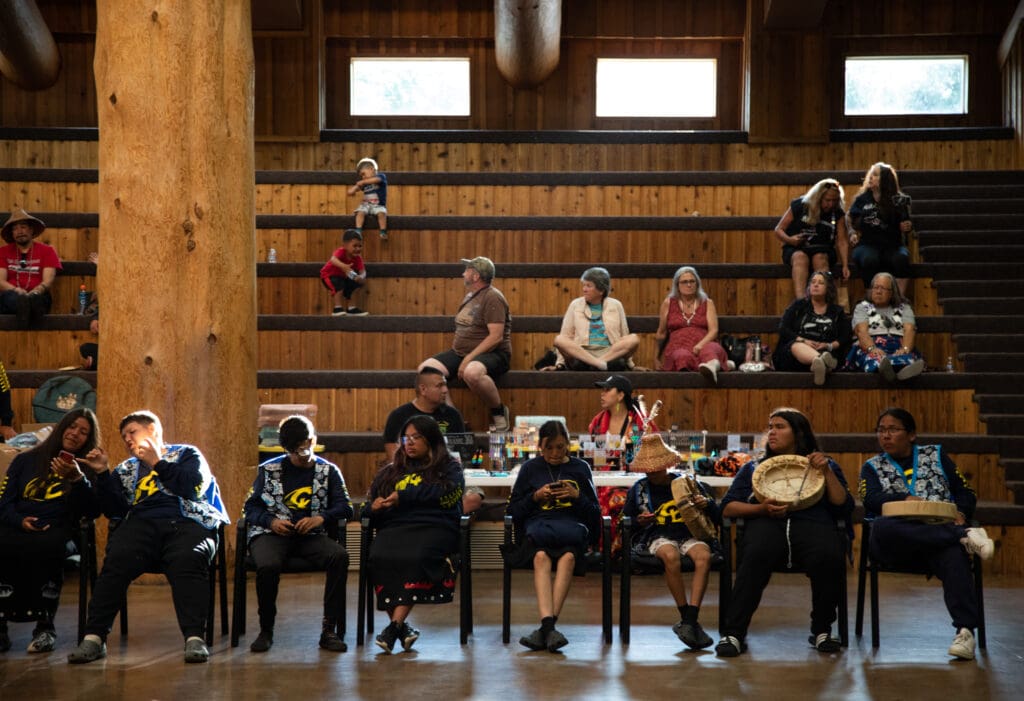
x=790 y=480
x=684 y=488
x=926 y=511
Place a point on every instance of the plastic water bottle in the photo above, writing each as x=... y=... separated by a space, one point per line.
x=949 y=364
x=83 y=300
x=272 y=255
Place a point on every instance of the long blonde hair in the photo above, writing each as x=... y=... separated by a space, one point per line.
x=812 y=199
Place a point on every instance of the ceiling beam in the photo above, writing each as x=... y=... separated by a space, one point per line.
x=793 y=14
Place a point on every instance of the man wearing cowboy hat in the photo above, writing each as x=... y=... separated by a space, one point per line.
x=27 y=269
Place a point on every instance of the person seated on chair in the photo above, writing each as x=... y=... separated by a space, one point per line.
x=415 y=504
x=554 y=506
x=293 y=497
x=662 y=532
x=594 y=334
x=431 y=400
x=906 y=471
x=169 y=506
x=43 y=495
x=776 y=537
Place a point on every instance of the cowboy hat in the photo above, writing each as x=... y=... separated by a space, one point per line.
x=17 y=216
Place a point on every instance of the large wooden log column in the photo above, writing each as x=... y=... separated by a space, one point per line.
x=177 y=270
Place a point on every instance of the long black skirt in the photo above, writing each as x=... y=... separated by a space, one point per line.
x=413 y=564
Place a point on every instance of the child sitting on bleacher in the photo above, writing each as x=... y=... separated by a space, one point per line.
x=345 y=273
x=375 y=195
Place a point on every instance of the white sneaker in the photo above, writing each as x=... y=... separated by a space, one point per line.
x=500 y=422
x=912 y=370
x=977 y=542
x=963 y=645
x=829 y=360
x=819 y=370
x=710 y=370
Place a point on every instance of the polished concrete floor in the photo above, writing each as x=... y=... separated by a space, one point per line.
x=910 y=664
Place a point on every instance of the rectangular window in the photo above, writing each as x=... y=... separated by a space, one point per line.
x=898 y=85
x=656 y=87
x=405 y=87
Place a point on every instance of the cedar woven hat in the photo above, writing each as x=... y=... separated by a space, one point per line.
x=654 y=455
x=17 y=216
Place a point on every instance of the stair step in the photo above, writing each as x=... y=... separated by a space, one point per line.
x=991 y=205
x=960 y=238
x=1017 y=487
x=1003 y=424
x=971 y=254
x=983 y=306
x=988 y=342
x=999 y=403
x=960 y=270
x=993 y=362
x=1013 y=468
x=978 y=288
x=964 y=222
x=954 y=192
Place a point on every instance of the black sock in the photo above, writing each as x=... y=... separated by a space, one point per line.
x=498 y=410
x=548 y=623
x=690 y=614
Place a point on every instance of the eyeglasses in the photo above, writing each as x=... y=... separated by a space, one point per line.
x=687 y=282
x=888 y=431
x=412 y=437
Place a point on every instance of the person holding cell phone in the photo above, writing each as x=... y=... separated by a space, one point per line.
x=813 y=232
x=44 y=493
x=554 y=505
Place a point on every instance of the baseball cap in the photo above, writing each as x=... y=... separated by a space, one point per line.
x=618 y=382
x=484 y=266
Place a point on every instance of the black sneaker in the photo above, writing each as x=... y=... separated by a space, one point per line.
x=536 y=640
x=556 y=640
x=329 y=640
x=824 y=642
x=356 y=311
x=692 y=635
x=408 y=635
x=262 y=642
x=730 y=646
x=388 y=636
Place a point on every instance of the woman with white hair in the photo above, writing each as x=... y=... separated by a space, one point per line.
x=595 y=335
x=688 y=328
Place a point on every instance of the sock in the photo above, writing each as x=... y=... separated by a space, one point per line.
x=548 y=623
x=498 y=410
x=682 y=612
x=359 y=229
x=690 y=614
x=93 y=638
x=383 y=232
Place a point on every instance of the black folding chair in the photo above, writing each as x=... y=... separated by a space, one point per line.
x=511 y=541
x=465 y=567
x=868 y=565
x=245 y=564
x=632 y=563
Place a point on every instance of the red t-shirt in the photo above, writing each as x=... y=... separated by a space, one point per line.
x=25 y=270
x=331 y=270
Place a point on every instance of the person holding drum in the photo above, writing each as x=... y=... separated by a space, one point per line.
x=664 y=532
x=911 y=473
x=782 y=532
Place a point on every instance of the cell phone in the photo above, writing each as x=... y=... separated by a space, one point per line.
x=66 y=456
x=555 y=485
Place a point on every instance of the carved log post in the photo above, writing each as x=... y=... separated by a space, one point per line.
x=177 y=269
x=526 y=40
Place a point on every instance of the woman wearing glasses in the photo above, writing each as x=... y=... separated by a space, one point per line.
x=554 y=505
x=884 y=326
x=814 y=331
x=415 y=503
x=907 y=471
x=688 y=329
x=812 y=230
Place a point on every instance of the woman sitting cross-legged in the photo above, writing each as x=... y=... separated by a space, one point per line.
x=415 y=504
x=813 y=331
x=554 y=505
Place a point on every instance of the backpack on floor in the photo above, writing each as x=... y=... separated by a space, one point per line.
x=59 y=395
